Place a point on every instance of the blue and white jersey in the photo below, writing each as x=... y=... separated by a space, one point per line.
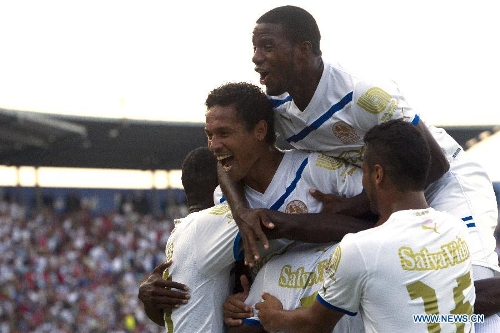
x=344 y=108
x=298 y=172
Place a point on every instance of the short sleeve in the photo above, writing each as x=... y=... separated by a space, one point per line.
x=345 y=278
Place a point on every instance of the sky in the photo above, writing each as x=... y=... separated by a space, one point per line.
x=158 y=60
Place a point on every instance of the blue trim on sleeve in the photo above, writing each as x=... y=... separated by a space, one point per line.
x=290 y=187
x=471 y=224
x=252 y=322
x=329 y=306
x=279 y=102
x=415 y=120
x=222 y=199
x=318 y=122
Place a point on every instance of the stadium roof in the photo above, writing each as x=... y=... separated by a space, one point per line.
x=40 y=139
x=36 y=139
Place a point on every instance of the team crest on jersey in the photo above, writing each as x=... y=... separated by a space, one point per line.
x=296 y=207
x=333 y=263
x=345 y=132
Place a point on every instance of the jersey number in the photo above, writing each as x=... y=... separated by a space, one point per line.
x=421 y=290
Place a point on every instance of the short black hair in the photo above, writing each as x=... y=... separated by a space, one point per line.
x=251 y=103
x=199 y=176
x=402 y=151
x=298 y=25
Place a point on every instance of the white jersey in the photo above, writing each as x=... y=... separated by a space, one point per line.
x=298 y=172
x=294 y=276
x=204 y=245
x=201 y=247
x=416 y=263
x=344 y=108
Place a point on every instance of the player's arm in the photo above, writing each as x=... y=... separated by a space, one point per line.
x=439 y=163
x=249 y=221
x=314 y=227
x=356 y=206
x=487 y=296
x=157 y=294
x=314 y=319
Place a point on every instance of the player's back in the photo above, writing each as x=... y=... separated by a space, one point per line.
x=416 y=264
x=201 y=249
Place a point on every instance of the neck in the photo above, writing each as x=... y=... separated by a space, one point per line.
x=306 y=83
x=261 y=175
x=398 y=201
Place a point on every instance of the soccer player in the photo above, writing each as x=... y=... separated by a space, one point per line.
x=295 y=274
x=320 y=106
x=415 y=261
x=204 y=245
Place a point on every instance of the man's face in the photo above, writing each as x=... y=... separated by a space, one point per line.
x=273 y=58
x=232 y=144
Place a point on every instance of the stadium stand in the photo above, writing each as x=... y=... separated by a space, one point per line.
x=78 y=270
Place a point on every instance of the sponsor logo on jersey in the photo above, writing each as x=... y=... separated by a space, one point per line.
x=345 y=133
x=221 y=210
x=300 y=278
x=169 y=251
x=451 y=254
x=333 y=263
x=329 y=162
x=376 y=101
x=296 y=207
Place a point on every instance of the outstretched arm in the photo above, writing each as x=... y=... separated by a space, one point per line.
x=314 y=319
x=158 y=294
x=314 y=228
x=249 y=221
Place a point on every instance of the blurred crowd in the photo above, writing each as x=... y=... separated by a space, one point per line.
x=76 y=272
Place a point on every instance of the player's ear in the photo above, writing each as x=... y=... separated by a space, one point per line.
x=378 y=174
x=261 y=130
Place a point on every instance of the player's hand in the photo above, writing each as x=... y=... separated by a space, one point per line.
x=268 y=309
x=356 y=206
x=235 y=308
x=250 y=222
x=155 y=292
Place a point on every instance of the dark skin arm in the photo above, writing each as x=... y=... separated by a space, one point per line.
x=322 y=227
x=158 y=294
x=314 y=319
x=487 y=296
x=235 y=310
x=314 y=227
x=249 y=221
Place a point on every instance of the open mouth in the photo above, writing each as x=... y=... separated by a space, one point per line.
x=226 y=161
x=263 y=76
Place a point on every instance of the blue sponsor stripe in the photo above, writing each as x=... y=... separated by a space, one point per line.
x=290 y=187
x=238 y=251
x=252 y=322
x=279 y=102
x=318 y=122
x=416 y=120
x=471 y=224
